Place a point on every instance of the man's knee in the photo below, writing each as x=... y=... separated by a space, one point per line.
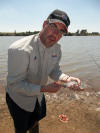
x=35 y=128
x=35 y=124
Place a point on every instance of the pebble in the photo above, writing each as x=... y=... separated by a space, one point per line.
x=97 y=109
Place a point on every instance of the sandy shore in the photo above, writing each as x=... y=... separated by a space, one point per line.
x=82 y=110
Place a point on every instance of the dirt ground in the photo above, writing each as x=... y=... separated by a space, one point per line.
x=83 y=117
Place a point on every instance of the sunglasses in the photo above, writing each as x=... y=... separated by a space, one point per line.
x=54 y=27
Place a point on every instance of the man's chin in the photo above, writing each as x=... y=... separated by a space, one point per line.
x=50 y=44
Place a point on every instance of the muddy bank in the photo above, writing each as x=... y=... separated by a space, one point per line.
x=81 y=108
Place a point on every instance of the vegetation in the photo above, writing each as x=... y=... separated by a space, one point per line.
x=84 y=33
x=27 y=33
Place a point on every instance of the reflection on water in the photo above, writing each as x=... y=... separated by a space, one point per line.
x=80 y=57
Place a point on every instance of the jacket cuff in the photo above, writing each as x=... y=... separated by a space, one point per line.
x=63 y=76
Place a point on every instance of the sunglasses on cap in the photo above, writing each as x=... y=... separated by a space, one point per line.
x=53 y=26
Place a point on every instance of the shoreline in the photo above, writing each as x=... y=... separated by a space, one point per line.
x=81 y=108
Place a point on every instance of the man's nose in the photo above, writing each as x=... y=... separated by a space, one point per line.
x=55 y=31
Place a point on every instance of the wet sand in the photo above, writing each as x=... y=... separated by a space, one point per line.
x=81 y=108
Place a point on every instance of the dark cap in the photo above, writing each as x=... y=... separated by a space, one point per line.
x=60 y=15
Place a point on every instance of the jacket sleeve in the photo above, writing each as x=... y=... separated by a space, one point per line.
x=18 y=61
x=57 y=74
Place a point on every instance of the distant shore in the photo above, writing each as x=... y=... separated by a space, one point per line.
x=18 y=33
x=27 y=33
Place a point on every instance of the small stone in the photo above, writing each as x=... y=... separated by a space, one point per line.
x=97 y=109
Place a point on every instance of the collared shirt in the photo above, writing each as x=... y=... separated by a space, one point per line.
x=29 y=65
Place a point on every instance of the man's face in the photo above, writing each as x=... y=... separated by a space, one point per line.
x=52 y=33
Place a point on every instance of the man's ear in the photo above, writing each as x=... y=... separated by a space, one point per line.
x=45 y=23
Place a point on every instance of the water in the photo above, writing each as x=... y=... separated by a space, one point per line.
x=5 y=42
x=80 y=57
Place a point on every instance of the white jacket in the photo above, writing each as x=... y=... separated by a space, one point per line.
x=29 y=65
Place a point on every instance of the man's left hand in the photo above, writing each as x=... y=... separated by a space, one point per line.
x=76 y=86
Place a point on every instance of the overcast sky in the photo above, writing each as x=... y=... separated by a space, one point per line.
x=28 y=15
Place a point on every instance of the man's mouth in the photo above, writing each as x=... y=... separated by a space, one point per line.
x=52 y=38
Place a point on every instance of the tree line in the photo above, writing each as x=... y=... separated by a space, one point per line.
x=27 y=33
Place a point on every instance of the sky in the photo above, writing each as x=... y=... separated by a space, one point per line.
x=29 y=15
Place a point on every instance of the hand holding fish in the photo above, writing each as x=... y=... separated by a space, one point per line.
x=72 y=83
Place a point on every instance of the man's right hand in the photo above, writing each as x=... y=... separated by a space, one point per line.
x=51 y=88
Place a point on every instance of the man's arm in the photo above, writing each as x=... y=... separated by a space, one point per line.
x=57 y=73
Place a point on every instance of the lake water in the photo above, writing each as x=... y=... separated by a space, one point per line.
x=80 y=57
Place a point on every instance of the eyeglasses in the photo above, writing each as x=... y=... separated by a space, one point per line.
x=54 y=27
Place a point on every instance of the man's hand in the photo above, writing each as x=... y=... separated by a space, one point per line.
x=76 y=86
x=74 y=79
x=67 y=79
x=51 y=88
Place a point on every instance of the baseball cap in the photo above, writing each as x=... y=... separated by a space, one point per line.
x=59 y=16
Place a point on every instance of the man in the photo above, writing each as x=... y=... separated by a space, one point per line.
x=30 y=61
